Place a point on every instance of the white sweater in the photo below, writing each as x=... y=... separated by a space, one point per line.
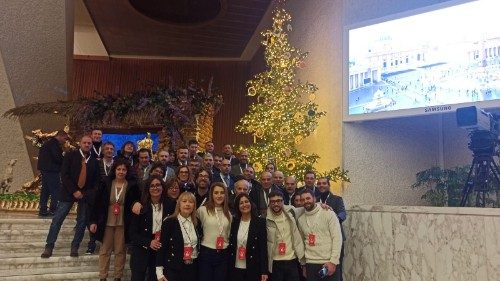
x=211 y=226
x=326 y=228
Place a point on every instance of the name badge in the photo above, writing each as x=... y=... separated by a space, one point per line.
x=312 y=239
x=242 y=253
x=188 y=251
x=219 y=243
x=157 y=235
x=116 y=209
x=282 y=248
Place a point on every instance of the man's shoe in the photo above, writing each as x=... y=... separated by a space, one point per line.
x=74 y=252
x=47 y=253
x=118 y=279
x=102 y=279
x=90 y=250
x=43 y=214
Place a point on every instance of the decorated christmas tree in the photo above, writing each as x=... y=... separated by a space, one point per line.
x=280 y=119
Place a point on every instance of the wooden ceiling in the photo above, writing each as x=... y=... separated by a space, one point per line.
x=152 y=28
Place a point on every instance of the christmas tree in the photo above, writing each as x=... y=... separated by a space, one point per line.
x=280 y=119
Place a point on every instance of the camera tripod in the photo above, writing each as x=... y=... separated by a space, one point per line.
x=483 y=169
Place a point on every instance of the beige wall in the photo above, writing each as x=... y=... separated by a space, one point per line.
x=317 y=29
x=34 y=36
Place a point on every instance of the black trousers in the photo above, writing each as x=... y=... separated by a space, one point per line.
x=312 y=272
x=337 y=276
x=189 y=272
x=285 y=271
x=145 y=273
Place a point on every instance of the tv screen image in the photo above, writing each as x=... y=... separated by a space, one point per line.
x=118 y=139
x=426 y=62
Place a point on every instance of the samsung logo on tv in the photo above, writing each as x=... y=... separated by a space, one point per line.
x=437 y=108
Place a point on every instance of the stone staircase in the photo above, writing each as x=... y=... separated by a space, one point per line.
x=22 y=240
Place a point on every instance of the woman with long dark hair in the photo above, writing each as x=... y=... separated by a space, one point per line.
x=145 y=230
x=127 y=152
x=216 y=221
x=111 y=216
x=180 y=237
x=247 y=243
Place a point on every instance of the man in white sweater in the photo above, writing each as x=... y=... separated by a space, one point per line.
x=320 y=229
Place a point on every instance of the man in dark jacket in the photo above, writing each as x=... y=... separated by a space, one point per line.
x=50 y=158
x=80 y=177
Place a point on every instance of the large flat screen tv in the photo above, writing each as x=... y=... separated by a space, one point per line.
x=425 y=61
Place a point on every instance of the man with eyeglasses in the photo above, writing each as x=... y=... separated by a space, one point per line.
x=202 y=187
x=284 y=243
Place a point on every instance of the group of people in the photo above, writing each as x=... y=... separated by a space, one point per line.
x=191 y=215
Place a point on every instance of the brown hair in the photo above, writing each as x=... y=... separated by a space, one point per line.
x=210 y=204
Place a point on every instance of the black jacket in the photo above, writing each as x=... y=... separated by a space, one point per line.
x=256 y=249
x=50 y=156
x=172 y=244
x=140 y=233
x=70 y=172
x=99 y=213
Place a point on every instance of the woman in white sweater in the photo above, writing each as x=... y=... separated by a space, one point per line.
x=216 y=222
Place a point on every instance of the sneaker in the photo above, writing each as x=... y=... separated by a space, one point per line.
x=43 y=214
x=90 y=250
x=74 y=252
x=47 y=253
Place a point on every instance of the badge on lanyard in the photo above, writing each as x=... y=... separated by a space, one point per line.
x=219 y=243
x=157 y=235
x=242 y=253
x=116 y=208
x=188 y=251
x=281 y=248
x=312 y=239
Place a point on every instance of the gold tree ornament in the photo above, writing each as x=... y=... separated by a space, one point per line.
x=257 y=166
x=251 y=91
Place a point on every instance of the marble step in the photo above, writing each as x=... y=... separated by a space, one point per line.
x=27 y=235
x=36 y=266
x=74 y=276
x=35 y=249
x=32 y=223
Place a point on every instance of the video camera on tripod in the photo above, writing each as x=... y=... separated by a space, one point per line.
x=483 y=131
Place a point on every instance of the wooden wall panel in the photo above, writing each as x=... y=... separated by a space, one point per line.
x=125 y=76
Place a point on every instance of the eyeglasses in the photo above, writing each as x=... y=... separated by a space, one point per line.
x=173 y=188
x=277 y=201
x=155 y=186
x=203 y=176
x=183 y=172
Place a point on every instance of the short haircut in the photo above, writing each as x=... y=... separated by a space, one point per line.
x=325 y=178
x=310 y=172
x=182 y=147
x=157 y=165
x=144 y=150
x=217 y=155
x=308 y=190
x=108 y=143
x=190 y=142
x=275 y=193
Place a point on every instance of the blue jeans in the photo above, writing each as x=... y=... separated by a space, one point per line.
x=51 y=186
x=58 y=219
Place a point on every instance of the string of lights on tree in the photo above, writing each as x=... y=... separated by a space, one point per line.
x=279 y=120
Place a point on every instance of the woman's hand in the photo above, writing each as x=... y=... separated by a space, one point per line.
x=163 y=279
x=93 y=228
x=263 y=277
x=136 y=208
x=155 y=245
